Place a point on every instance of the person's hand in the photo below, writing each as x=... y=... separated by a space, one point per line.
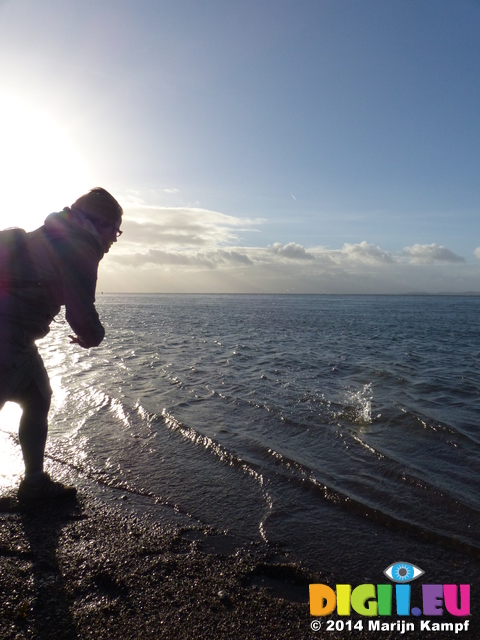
x=77 y=340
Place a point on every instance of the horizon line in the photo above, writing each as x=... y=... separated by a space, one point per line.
x=471 y=294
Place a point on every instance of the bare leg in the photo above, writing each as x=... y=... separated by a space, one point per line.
x=33 y=430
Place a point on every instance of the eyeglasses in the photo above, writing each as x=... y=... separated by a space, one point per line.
x=118 y=233
x=106 y=225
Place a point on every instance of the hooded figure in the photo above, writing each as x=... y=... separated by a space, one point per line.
x=56 y=266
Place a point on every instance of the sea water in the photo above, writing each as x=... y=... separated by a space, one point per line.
x=337 y=428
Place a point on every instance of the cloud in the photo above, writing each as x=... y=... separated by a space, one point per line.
x=429 y=253
x=477 y=252
x=208 y=259
x=182 y=227
x=193 y=249
x=366 y=253
x=292 y=251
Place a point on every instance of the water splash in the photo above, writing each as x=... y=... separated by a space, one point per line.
x=357 y=406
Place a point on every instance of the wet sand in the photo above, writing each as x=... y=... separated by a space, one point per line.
x=87 y=570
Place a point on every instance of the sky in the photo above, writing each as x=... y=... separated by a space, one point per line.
x=300 y=146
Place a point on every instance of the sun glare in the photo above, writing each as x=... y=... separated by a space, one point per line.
x=41 y=172
x=11 y=463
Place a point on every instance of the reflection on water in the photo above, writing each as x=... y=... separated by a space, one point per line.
x=290 y=419
x=11 y=462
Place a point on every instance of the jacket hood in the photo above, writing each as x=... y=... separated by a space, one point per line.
x=70 y=223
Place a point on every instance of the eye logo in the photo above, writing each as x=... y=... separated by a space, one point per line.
x=403 y=572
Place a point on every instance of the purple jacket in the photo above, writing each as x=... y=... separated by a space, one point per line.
x=60 y=265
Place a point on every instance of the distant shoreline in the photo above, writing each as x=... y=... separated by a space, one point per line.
x=466 y=294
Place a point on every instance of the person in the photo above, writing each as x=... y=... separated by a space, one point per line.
x=57 y=266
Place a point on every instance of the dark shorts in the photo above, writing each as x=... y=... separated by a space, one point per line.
x=19 y=370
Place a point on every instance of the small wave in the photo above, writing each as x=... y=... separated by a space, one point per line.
x=291 y=471
x=211 y=445
x=415 y=419
x=114 y=483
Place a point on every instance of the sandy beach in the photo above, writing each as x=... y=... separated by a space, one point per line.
x=87 y=570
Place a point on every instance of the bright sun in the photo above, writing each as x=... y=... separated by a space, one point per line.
x=39 y=169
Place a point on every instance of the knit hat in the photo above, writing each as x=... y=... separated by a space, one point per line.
x=100 y=207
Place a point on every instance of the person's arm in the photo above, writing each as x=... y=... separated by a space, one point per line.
x=79 y=283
